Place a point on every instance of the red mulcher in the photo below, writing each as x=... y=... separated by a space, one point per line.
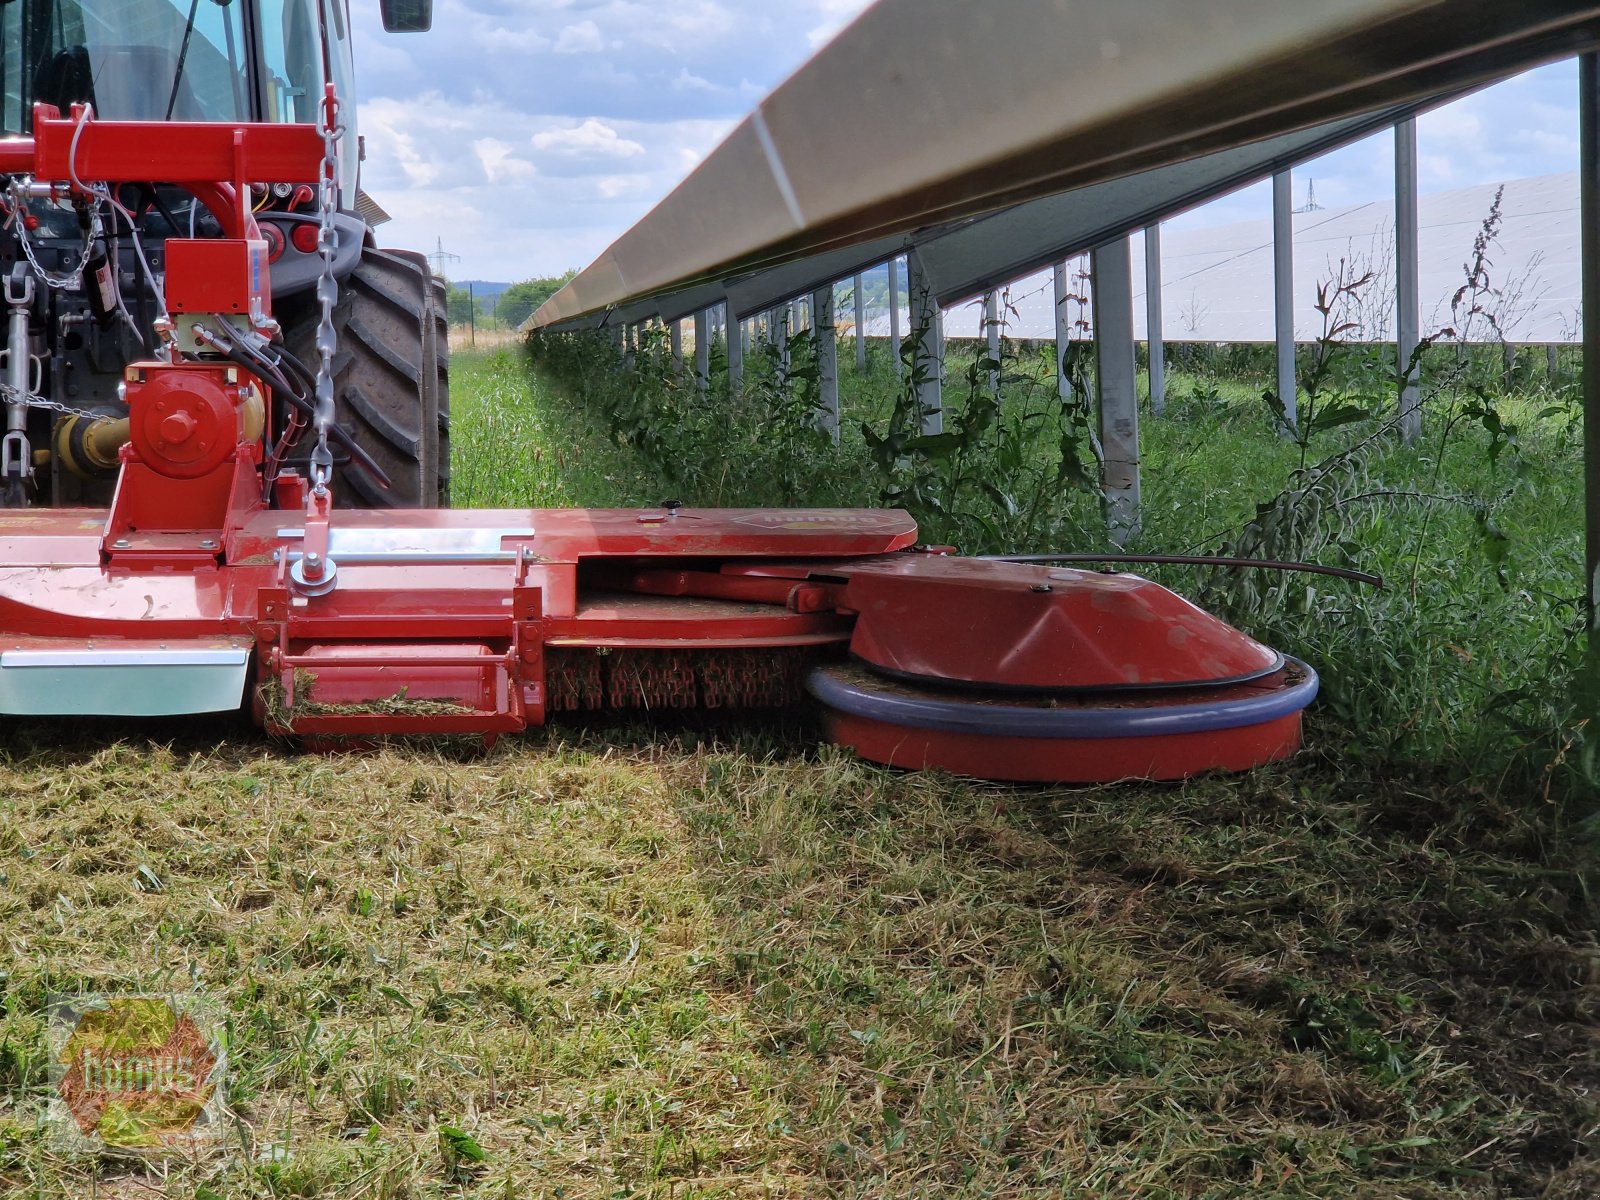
x=220 y=576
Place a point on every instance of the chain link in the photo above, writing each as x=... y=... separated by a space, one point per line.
x=72 y=277
x=327 y=290
x=13 y=394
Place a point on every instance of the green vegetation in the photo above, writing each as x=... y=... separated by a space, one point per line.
x=517 y=302
x=510 y=308
x=1468 y=659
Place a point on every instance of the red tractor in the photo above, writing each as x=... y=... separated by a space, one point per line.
x=87 y=272
x=205 y=354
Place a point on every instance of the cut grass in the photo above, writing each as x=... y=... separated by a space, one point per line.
x=651 y=965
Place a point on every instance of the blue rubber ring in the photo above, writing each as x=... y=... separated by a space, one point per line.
x=1000 y=720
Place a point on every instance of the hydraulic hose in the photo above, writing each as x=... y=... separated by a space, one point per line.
x=259 y=365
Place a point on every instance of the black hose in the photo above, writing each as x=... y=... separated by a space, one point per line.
x=259 y=365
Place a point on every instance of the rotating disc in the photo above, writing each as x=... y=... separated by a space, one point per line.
x=1065 y=739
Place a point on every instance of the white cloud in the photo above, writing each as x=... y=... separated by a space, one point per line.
x=582 y=38
x=688 y=81
x=1437 y=168
x=1454 y=123
x=593 y=139
x=500 y=165
x=406 y=132
x=615 y=187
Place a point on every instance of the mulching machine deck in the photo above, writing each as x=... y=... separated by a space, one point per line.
x=486 y=622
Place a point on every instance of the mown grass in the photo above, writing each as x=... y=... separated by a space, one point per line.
x=650 y=964
x=658 y=961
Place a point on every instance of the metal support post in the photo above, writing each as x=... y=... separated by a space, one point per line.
x=1063 y=331
x=1408 y=307
x=894 y=316
x=736 y=345
x=861 y=329
x=1589 y=223
x=675 y=334
x=827 y=337
x=927 y=326
x=1283 y=296
x=781 y=318
x=1155 y=338
x=1111 y=270
x=702 y=350
x=991 y=335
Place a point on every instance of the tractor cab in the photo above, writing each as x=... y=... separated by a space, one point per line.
x=227 y=61
x=84 y=278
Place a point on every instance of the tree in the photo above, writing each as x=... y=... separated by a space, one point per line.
x=460 y=301
x=517 y=302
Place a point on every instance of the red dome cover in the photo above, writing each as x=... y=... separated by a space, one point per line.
x=1020 y=626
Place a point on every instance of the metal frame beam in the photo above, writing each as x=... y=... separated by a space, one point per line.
x=861 y=327
x=927 y=327
x=1058 y=280
x=826 y=333
x=1111 y=270
x=945 y=145
x=991 y=337
x=966 y=259
x=736 y=344
x=1283 y=295
x=1408 y=305
x=894 y=316
x=1589 y=222
x=1155 y=334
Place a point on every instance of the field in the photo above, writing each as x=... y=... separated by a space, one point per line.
x=677 y=960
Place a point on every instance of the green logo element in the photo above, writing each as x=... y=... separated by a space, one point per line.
x=139 y=1074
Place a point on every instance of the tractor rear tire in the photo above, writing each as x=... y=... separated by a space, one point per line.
x=391 y=381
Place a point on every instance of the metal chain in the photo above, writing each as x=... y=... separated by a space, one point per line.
x=327 y=290
x=34 y=401
x=73 y=275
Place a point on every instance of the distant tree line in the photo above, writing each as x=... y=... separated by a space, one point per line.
x=511 y=307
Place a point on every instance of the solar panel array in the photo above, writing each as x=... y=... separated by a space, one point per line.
x=1217 y=282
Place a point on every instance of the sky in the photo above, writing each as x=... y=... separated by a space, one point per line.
x=527 y=135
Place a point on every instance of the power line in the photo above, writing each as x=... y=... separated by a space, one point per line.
x=1311 y=204
x=440 y=256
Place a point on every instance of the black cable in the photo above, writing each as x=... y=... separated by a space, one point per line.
x=257 y=364
x=183 y=55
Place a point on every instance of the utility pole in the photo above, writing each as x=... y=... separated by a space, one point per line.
x=440 y=256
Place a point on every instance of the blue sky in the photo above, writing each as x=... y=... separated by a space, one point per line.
x=529 y=134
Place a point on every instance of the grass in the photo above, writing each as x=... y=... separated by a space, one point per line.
x=657 y=961
x=651 y=964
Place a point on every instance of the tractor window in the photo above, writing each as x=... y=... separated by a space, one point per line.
x=291 y=41
x=292 y=38
x=134 y=60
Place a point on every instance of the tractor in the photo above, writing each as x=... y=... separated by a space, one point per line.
x=83 y=276
x=225 y=462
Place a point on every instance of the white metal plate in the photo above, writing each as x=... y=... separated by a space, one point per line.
x=122 y=683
